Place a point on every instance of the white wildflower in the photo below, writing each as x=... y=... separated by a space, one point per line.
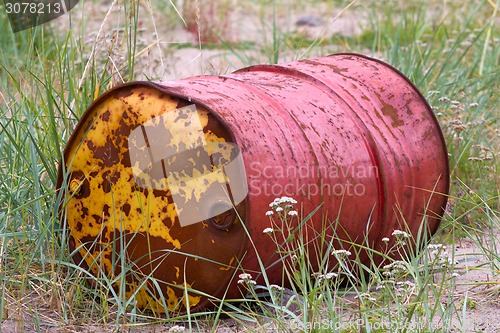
x=405 y=288
x=293 y=213
x=396 y=264
x=268 y=230
x=341 y=253
x=385 y=283
x=282 y=201
x=279 y=209
x=269 y=213
x=330 y=275
x=400 y=234
x=407 y=284
x=365 y=296
x=245 y=281
x=385 y=239
x=245 y=276
x=275 y=286
x=288 y=199
x=435 y=249
x=327 y=276
x=435 y=246
x=395 y=268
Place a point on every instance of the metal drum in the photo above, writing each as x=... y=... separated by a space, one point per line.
x=166 y=183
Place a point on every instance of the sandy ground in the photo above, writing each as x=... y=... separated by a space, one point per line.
x=477 y=288
x=162 y=59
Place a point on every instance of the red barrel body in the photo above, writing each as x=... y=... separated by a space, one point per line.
x=346 y=133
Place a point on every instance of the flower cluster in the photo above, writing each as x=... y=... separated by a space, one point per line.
x=405 y=288
x=282 y=201
x=401 y=287
x=246 y=279
x=438 y=254
x=385 y=284
x=282 y=205
x=366 y=296
x=328 y=276
x=401 y=237
x=341 y=254
x=399 y=234
x=395 y=268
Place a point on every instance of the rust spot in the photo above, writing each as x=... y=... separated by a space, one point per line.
x=389 y=110
x=98 y=219
x=85 y=211
x=334 y=68
x=105 y=115
x=108 y=153
x=109 y=179
x=105 y=210
x=125 y=161
x=126 y=209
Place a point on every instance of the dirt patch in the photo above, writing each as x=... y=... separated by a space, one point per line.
x=477 y=291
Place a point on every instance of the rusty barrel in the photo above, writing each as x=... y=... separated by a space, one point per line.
x=168 y=184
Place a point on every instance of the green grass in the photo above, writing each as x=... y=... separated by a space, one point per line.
x=49 y=76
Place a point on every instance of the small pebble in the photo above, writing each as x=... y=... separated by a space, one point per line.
x=309 y=20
